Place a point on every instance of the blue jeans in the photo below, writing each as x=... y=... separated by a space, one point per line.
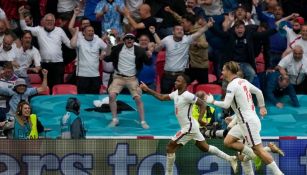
x=248 y=71
x=274 y=59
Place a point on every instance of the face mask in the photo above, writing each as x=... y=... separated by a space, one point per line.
x=297 y=31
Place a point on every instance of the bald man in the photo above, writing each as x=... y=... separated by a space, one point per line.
x=7 y=49
x=295 y=65
x=146 y=21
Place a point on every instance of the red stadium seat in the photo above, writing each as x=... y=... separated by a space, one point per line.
x=64 y=89
x=191 y=88
x=70 y=67
x=161 y=56
x=159 y=72
x=46 y=92
x=211 y=68
x=209 y=88
x=211 y=78
x=35 y=79
x=260 y=63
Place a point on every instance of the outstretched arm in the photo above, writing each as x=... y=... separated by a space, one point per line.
x=72 y=21
x=43 y=87
x=203 y=29
x=161 y=97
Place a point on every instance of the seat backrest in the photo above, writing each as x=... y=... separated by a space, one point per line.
x=35 y=79
x=211 y=78
x=64 y=89
x=209 y=88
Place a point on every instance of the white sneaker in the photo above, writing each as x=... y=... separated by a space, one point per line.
x=144 y=125
x=234 y=164
x=113 y=123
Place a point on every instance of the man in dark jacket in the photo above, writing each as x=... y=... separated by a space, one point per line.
x=128 y=60
x=240 y=47
x=278 y=85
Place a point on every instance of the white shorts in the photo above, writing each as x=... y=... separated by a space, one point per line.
x=183 y=137
x=250 y=132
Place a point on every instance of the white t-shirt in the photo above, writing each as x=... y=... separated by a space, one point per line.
x=126 y=61
x=183 y=110
x=25 y=59
x=50 y=43
x=2 y=14
x=294 y=68
x=216 y=8
x=133 y=6
x=238 y=95
x=8 y=55
x=67 y=5
x=177 y=53
x=88 y=56
x=291 y=36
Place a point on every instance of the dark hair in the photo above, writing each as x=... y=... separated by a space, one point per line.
x=84 y=18
x=20 y=105
x=73 y=105
x=8 y=65
x=26 y=32
x=239 y=23
x=87 y=27
x=190 y=17
x=186 y=78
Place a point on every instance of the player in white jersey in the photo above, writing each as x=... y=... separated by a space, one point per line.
x=184 y=101
x=238 y=96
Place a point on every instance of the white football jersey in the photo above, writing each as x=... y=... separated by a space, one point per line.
x=183 y=110
x=240 y=91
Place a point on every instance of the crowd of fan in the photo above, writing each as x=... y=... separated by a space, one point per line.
x=37 y=35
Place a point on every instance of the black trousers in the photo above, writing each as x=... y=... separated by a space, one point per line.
x=199 y=74
x=88 y=85
x=55 y=73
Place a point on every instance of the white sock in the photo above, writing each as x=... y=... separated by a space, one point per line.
x=170 y=163
x=267 y=149
x=214 y=150
x=219 y=133
x=247 y=167
x=274 y=168
x=249 y=152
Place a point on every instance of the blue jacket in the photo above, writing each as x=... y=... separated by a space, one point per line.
x=273 y=90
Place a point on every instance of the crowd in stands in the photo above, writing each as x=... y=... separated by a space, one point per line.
x=107 y=45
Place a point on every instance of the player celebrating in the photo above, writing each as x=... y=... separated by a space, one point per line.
x=189 y=126
x=238 y=95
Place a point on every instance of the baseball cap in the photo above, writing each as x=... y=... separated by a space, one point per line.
x=241 y=6
x=300 y=20
x=129 y=35
x=20 y=82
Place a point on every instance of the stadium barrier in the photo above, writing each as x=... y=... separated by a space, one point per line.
x=142 y=156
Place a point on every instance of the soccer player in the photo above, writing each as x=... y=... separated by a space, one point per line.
x=238 y=96
x=189 y=126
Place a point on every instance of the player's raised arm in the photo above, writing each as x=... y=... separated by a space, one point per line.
x=162 y=97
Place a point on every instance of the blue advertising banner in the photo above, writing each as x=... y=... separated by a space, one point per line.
x=131 y=157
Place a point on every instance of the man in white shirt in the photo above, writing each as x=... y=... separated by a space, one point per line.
x=295 y=66
x=25 y=56
x=301 y=41
x=184 y=101
x=238 y=96
x=50 y=39
x=128 y=60
x=89 y=53
x=177 y=53
x=7 y=49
